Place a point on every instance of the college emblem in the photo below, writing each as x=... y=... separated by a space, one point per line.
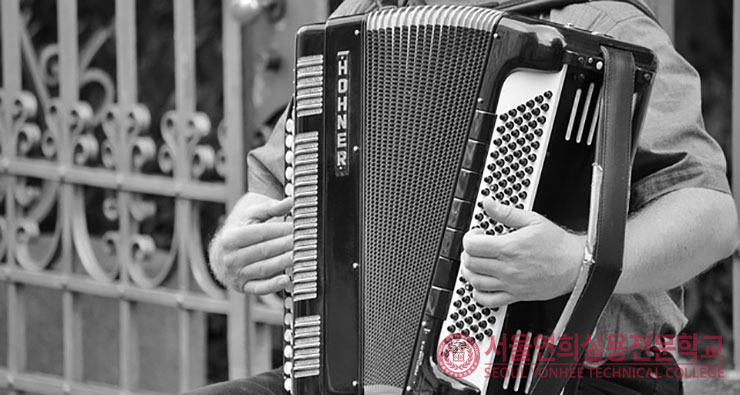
x=458 y=355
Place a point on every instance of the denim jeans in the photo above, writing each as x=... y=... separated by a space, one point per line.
x=271 y=383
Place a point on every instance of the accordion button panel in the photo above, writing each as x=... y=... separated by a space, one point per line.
x=288 y=300
x=510 y=176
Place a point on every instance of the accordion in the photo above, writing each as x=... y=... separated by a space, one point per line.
x=403 y=120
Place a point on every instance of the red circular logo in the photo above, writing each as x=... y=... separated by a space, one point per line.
x=458 y=355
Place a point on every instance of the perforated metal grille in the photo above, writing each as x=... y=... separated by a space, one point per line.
x=421 y=92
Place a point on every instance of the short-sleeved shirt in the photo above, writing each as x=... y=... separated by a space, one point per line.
x=674 y=150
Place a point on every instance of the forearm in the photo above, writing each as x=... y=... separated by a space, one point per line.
x=677 y=237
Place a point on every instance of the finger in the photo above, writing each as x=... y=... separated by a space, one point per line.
x=245 y=236
x=484 y=266
x=477 y=244
x=266 y=268
x=493 y=299
x=261 y=251
x=263 y=287
x=509 y=215
x=483 y=283
x=476 y=232
x=274 y=209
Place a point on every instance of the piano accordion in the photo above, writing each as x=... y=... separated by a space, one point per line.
x=403 y=120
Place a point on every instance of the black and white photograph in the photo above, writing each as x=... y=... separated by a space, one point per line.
x=369 y=197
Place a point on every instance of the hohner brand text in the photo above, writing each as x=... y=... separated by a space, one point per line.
x=341 y=158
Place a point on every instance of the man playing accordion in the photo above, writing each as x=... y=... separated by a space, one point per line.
x=682 y=217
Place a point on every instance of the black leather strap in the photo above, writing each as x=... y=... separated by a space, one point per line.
x=613 y=155
x=532 y=7
x=386 y=3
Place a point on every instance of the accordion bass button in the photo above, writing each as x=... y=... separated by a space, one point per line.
x=290 y=125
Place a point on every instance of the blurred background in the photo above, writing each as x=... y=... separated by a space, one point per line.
x=124 y=125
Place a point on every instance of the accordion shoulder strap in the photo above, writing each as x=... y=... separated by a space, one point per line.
x=532 y=7
x=386 y=3
x=610 y=195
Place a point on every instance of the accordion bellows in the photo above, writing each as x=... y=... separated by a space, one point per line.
x=394 y=118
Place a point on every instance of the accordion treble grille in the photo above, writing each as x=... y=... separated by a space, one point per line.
x=421 y=91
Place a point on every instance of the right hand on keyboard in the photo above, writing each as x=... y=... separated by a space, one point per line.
x=254 y=247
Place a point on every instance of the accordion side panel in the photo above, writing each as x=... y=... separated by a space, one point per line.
x=421 y=90
x=342 y=206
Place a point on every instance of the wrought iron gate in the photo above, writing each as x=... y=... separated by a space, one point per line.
x=103 y=204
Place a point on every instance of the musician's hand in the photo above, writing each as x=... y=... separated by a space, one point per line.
x=537 y=261
x=250 y=252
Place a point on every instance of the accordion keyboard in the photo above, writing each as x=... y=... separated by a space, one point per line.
x=513 y=167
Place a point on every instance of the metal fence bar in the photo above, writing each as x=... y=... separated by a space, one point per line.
x=240 y=324
x=736 y=175
x=16 y=311
x=101 y=178
x=185 y=94
x=69 y=95
x=127 y=83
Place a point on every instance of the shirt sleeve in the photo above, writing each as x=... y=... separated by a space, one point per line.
x=265 y=165
x=674 y=149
